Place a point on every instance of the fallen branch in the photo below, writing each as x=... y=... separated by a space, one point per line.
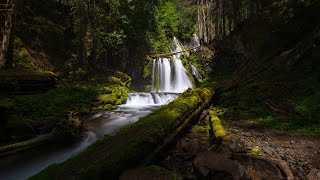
x=170 y=54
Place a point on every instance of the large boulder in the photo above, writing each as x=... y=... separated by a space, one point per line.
x=211 y=163
x=263 y=167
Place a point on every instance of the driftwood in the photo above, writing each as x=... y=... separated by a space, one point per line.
x=171 y=54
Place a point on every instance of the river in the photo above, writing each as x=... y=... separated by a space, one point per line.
x=27 y=163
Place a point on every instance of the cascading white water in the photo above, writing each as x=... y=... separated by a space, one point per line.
x=181 y=79
x=145 y=98
x=169 y=77
x=166 y=75
x=195 y=72
x=153 y=76
x=195 y=41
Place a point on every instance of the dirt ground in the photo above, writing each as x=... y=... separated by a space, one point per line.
x=302 y=153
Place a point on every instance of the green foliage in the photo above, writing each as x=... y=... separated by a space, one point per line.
x=308 y=108
x=172 y=18
x=268 y=121
x=166 y=27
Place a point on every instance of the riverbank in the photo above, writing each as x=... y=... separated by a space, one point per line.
x=26 y=116
x=31 y=161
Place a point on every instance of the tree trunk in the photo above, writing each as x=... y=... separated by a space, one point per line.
x=200 y=22
x=7 y=37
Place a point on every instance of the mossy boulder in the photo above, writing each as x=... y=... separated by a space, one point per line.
x=110 y=96
x=120 y=78
x=68 y=131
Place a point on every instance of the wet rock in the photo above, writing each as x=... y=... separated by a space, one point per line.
x=267 y=168
x=210 y=162
x=314 y=174
x=238 y=145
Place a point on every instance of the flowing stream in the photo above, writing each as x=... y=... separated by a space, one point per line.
x=169 y=78
x=27 y=163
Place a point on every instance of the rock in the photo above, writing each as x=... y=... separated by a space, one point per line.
x=253 y=175
x=210 y=161
x=268 y=150
x=267 y=168
x=314 y=174
x=192 y=147
x=149 y=173
x=203 y=115
x=238 y=145
x=179 y=162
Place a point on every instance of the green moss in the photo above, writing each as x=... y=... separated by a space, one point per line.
x=132 y=143
x=120 y=78
x=201 y=129
x=6 y=103
x=218 y=130
x=67 y=131
x=30 y=142
x=255 y=151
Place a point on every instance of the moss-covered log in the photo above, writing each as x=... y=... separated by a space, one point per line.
x=216 y=126
x=110 y=156
x=21 y=146
x=26 y=82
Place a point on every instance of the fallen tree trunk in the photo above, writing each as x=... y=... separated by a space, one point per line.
x=26 y=82
x=21 y=146
x=173 y=53
x=109 y=157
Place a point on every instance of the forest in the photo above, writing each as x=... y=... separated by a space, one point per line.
x=160 y=89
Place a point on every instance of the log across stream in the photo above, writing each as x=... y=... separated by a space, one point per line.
x=134 y=144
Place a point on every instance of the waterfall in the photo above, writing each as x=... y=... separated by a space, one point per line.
x=169 y=78
x=153 y=76
x=194 y=41
x=195 y=72
x=165 y=75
